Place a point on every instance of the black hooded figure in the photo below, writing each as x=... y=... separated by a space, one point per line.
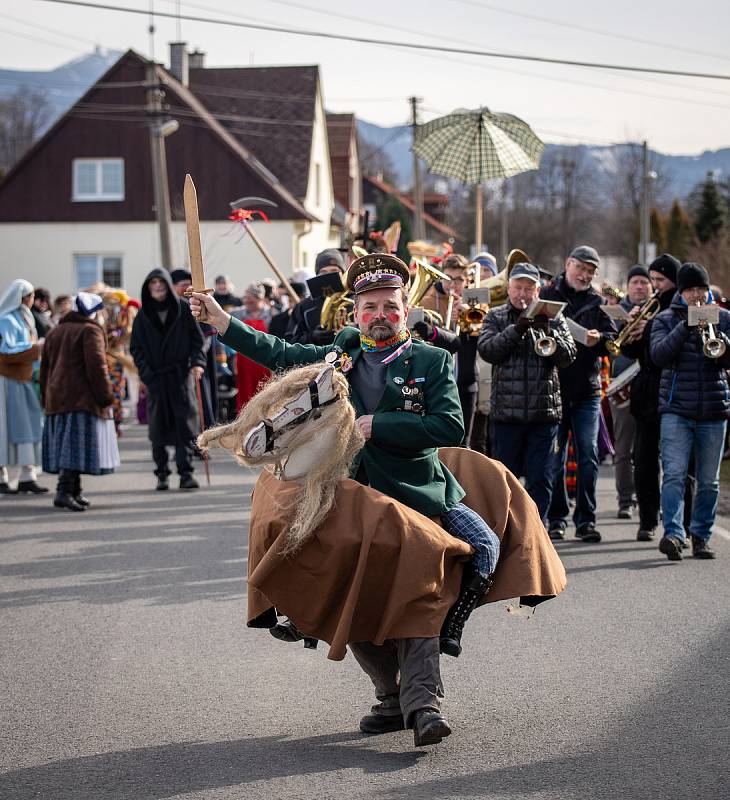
x=166 y=345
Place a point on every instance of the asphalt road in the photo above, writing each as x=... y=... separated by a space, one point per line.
x=128 y=672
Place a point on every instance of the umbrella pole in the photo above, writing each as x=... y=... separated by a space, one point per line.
x=479 y=217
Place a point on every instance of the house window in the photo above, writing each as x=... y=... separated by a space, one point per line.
x=91 y=268
x=96 y=179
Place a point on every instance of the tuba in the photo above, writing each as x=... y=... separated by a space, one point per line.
x=425 y=277
x=336 y=311
x=498 y=284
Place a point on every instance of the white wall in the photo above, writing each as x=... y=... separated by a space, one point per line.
x=43 y=253
x=320 y=236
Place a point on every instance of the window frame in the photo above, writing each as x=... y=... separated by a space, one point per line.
x=99 y=267
x=99 y=196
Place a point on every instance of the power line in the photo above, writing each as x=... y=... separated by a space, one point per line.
x=586 y=29
x=403 y=45
x=412 y=31
x=55 y=32
x=29 y=37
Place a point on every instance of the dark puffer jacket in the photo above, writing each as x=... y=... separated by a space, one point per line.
x=692 y=385
x=645 y=386
x=525 y=387
x=582 y=379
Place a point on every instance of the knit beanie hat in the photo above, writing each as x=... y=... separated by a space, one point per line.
x=330 y=257
x=692 y=275
x=667 y=265
x=639 y=271
x=178 y=275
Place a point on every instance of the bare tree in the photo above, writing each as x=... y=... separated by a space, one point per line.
x=23 y=116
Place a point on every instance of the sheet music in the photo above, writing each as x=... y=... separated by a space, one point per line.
x=578 y=332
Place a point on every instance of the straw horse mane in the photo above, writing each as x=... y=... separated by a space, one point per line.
x=313 y=445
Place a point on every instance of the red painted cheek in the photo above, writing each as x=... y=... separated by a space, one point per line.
x=393 y=317
x=366 y=317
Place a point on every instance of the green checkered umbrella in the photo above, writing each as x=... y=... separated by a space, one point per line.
x=475 y=146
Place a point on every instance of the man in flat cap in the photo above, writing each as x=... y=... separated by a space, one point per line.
x=407 y=406
x=580 y=388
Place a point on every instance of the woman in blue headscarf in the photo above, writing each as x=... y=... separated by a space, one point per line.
x=21 y=420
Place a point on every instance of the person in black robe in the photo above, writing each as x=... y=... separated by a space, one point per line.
x=167 y=348
x=181 y=281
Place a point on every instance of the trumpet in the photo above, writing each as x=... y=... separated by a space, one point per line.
x=544 y=345
x=471 y=319
x=648 y=311
x=712 y=347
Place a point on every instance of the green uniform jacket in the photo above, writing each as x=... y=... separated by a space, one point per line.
x=401 y=457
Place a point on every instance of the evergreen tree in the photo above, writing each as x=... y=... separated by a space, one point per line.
x=679 y=232
x=658 y=230
x=710 y=216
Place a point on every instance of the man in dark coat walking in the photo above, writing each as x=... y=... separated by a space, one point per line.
x=694 y=406
x=526 y=407
x=167 y=348
x=580 y=388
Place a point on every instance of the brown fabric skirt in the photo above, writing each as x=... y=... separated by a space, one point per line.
x=377 y=570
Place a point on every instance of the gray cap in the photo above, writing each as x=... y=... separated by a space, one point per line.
x=330 y=257
x=586 y=254
x=529 y=271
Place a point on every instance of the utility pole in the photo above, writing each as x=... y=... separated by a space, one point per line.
x=504 y=228
x=644 y=247
x=418 y=227
x=646 y=251
x=158 y=131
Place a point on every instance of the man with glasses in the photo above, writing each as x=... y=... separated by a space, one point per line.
x=580 y=388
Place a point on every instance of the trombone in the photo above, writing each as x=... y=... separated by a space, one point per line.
x=648 y=311
x=712 y=347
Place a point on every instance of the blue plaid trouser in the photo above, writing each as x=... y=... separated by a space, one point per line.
x=465 y=524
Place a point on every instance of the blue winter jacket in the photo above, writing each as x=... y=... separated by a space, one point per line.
x=692 y=385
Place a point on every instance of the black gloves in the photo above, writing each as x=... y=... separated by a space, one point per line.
x=424 y=330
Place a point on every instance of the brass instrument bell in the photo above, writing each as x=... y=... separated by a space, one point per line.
x=648 y=311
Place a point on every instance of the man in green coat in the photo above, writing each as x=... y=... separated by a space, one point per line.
x=407 y=406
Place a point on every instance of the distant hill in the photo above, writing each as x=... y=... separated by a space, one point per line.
x=683 y=172
x=65 y=84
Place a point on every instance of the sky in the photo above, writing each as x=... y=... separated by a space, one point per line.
x=565 y=104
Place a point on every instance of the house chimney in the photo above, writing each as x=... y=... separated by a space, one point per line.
x=179 y=61
x=196 y=59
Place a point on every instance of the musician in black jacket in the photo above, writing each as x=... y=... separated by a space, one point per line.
x=580 y=388
x=304 y=327
x=526 y=406
x=645 y=402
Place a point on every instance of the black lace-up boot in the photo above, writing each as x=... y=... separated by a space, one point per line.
x=473 y=587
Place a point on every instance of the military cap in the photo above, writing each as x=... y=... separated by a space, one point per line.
x=377 y=271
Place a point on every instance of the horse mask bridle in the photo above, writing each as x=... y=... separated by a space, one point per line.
x=319 y=394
